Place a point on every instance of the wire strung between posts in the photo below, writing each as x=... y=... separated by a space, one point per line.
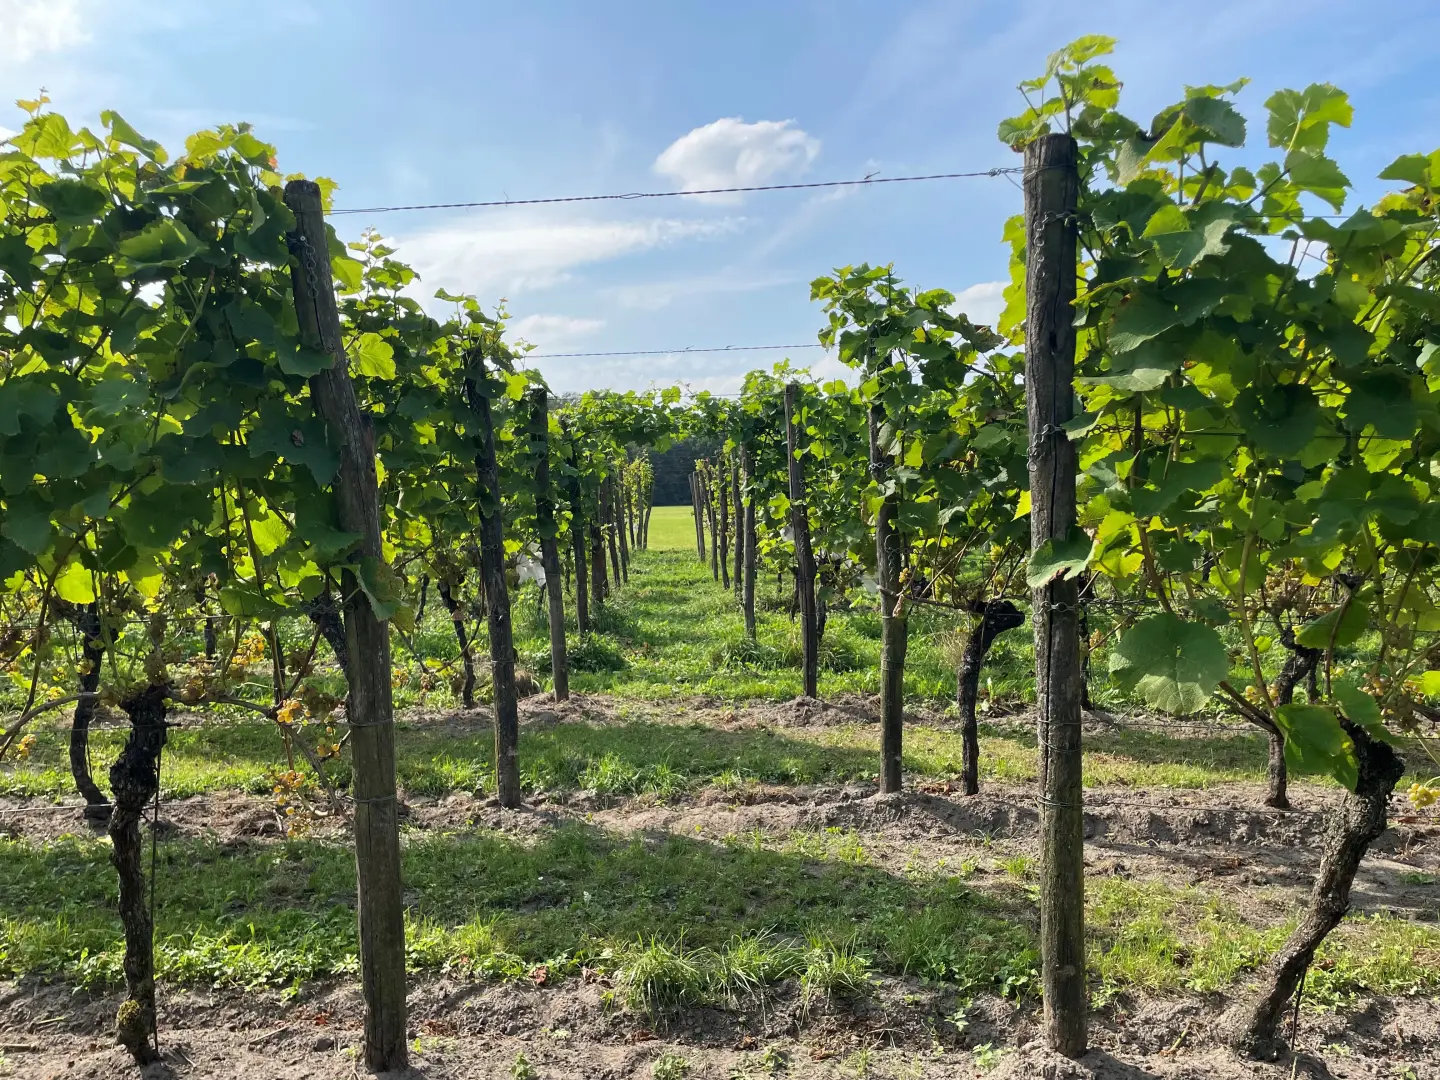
x=676 y=194
x=675 y=352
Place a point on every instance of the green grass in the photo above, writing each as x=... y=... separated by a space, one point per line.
x=676 y=920
x=673 y=920
x=646 y=754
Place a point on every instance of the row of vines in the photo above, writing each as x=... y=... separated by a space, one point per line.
x=1203 y=437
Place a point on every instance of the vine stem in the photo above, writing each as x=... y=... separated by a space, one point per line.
x=1245 y=627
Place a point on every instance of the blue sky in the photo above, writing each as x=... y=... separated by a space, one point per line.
x=435 y=101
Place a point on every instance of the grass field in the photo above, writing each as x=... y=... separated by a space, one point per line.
x=693 y=846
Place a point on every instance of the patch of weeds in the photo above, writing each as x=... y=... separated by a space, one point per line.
x=658 y=975
x=988 y=1055
x=858 y=1063
x=833 y=969
x=1017 y=866
x=750 y=963
x=669 y=1066
x=521 y=1069
x=590 y=653
x=1419 y=877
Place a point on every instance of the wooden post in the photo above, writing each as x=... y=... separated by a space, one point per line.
x=804 y=557
x=622 y=523
x=607 y=490
x=699 y=520
x=747 y=595
x=379 y=901
x=724 y=529
x=1051 y=194
x=577 y=534
x=710 y=518
x=738 y=525
x=894 y=627
x=599 y=582
x=549 y=544
x=492 y=565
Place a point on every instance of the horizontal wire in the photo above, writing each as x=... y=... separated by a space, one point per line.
x=676 y=352
x=675 y=194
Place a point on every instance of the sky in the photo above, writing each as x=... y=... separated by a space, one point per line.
x=434 y=101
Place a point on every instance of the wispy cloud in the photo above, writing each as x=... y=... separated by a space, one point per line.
x=554 y=331
x=732 y=153
x=513 y=253
x=656 y=295
x=982 y=303
x=30 y=28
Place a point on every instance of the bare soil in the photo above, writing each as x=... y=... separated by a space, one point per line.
x=1213 y=840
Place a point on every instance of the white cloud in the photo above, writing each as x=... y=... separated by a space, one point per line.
x=732 y=153
x=554 y=331
x=29 y=28
x=982 y=303
x=656 y=295
x=506 y=255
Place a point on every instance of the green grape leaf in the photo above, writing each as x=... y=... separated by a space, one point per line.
x=123 y=133
x=1312 y=171
x=1281 y=419
x=76 y=584
x=382 y=586
x=23 y=396
x=1218 y=119
x=1315 y=742
x=248 y=602
x=375 y=357
x=296 y=439
x=154 y=521
x=161 y=243
x=27 y=522
x=1174 y=665
x=301 y=360
x=13 y=559
x=1344 y=626
x=71 y=201
x=1059 y=558
x=1303 y=119
x=1362 y=710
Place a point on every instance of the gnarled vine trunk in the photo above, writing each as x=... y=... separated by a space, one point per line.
x=325 y=615
x=467 y=660
x=996 y=617
x=86 y=620
x=134 y=779
x=1253 y=1026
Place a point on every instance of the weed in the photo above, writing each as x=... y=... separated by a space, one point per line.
x=669 y=1066
x=1017 y=866
x=988 y=1055
x=521 y=1069
x=833 y=969
x=658 y=975
x=858 y=1063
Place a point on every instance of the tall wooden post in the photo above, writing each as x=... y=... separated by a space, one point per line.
x=738 y=524
x=804 y=557
x=699 y=520
x=1051 y=194
x=894 y=630
x=747 y=592
x=622 y=522
x=714 y=528
x=577 y=535
x=379 y=899
x=497 y=594
x=724 y=530
x=549 y=545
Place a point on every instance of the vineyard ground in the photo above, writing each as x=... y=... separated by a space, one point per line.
x=704 y=883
